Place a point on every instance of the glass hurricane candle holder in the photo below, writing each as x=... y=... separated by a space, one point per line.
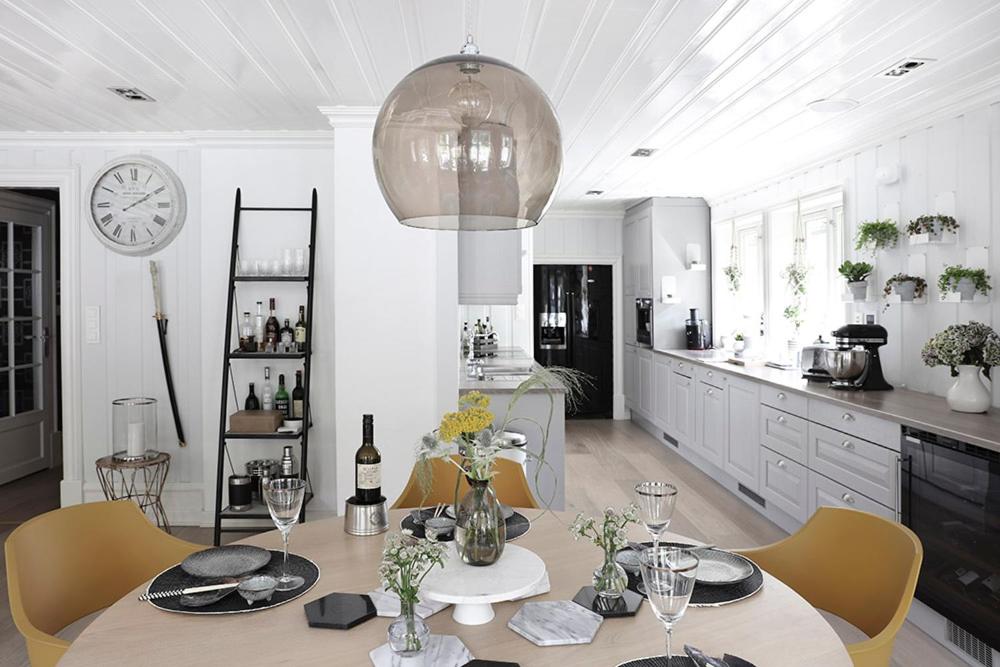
x=134 y=428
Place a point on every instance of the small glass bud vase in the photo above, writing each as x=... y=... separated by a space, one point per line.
x=610 y=580
x=408 y=634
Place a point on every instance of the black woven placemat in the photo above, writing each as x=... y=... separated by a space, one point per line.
x=517 y=525
x=711 y=595
x=680 y=661
x=233 y=603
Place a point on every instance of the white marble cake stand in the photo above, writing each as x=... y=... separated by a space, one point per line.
x=473 y=590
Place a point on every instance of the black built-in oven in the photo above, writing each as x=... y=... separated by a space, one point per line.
x=950 y=493
x=644 y=322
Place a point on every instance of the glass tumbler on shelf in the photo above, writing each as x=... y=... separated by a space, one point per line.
x=284 y=498
x=248 y=267
x=288 y=262
x=134 y=424
x=274 y=267
x=300 y=261
x=669 y=574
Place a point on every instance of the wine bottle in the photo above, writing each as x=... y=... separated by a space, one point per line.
x=367 y=466
x=271 y=330
x=267 y=391
x=281 y=398
x=298 y=397
x=247 y=341
x=300 y=330
x=258 y=324
x=287 y=338
x=251 y=403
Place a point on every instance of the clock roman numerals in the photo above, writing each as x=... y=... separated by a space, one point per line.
x=118 y=231
x=163 y=204
x=133 y=173
x=103 y=204
x=118 y=177
x=160 y=220
x=106 y=219
x=131 y=234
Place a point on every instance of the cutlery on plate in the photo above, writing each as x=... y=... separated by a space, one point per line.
x=636 y=546
x=177 y=592
x=701 y=659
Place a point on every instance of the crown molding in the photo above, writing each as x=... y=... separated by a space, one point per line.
x=341 y=116
x=284 y=138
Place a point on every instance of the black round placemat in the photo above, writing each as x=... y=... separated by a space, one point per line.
x=233 y=603
x=710 y=595
x=679 y=661
x=517 y=525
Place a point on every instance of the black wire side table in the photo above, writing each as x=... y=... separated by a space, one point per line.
x=141 y=481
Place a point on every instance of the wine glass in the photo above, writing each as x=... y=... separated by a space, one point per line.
x=656 y=501
x=669 y=574
x=284 y=501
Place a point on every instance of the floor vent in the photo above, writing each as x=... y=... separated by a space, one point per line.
x=671 y=441
x=972 y=646
x=753 y=496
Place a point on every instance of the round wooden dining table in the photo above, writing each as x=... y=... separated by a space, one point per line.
x=774 y=628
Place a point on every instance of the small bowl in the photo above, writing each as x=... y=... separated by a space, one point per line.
x=438 y=526
x=256 y=588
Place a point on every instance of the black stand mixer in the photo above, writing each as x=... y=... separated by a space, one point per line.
x=854 y=368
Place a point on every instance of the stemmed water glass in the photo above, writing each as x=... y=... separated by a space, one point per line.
x=656 y=501
x=284 y=501
x=669 y=574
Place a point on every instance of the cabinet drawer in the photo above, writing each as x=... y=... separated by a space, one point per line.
x=823 y=491
x=784 y=433
x=796 y=404
x=685 y=368
x=784 y=483
x=711 y=376
x=873 y=429
x=855 y=463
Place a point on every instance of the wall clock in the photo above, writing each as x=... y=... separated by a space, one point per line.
x=137 y=205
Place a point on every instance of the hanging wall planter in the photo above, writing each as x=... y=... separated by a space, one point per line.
x=931 y=228
x=877 y=235
x=907 y=287
x=856 y=274
x=965 y=281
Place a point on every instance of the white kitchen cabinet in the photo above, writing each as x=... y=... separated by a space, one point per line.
x=858 y=464
x=638 y=253
x=644 y=375
x=682 y=396
x=826 y=492
x=629 y=320
x=711 y=417
x=742 y=450
x=785 y=484
x=784 y=433
x=489 y=268
x=661 y=391
x=628 y=373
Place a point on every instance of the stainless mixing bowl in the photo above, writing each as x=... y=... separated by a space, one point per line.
x=845 y=364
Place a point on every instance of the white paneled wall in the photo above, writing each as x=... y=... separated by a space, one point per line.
x=955 y=158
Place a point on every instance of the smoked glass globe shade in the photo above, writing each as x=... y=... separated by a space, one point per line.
x=467 y=142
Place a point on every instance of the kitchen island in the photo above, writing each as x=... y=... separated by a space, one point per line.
x=503 y=373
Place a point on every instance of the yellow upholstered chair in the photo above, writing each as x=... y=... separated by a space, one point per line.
x=510 y=484
x=859 y=566
x=66 y=564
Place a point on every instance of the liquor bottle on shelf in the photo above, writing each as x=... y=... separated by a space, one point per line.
x=367 y=466
x=271 y=328
x=286 y=336
x=465 y=338
x=259 y=326
x=298 y=397
x=300 y=330
x=247 y=341
x=281 y=403
x=489 y=327
x=251 y=403
x=289 y=464
x=267 y=391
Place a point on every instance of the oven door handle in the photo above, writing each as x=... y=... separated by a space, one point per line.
x=908 y=458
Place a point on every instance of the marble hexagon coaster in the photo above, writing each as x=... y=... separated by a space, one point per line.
x=555 y=623
x=387 y=604
x=441 y=651
x=339 y=611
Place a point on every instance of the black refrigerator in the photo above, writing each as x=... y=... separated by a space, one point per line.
x=573 y=328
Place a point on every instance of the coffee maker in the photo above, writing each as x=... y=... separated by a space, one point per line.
x=855 y=363
x=697 y=332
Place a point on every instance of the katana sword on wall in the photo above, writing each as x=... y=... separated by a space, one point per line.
x=161 y=327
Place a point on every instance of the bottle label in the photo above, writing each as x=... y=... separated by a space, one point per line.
x=369 y=475
x=297 y=409
x=300 y=334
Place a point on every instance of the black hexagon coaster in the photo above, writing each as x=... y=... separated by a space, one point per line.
x=339 y=611
x=627 y=605
x=489 y=663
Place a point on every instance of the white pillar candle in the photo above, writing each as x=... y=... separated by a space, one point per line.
x=136 y=439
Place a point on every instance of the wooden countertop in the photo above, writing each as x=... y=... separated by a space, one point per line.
x=904 y=406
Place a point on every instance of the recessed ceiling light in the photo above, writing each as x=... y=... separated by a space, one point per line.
x=905 y=67
x=595 y=192
x=833 y=105
x=131 y=94
x=643 y=152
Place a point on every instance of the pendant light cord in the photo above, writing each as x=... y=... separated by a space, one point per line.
x=470 y=47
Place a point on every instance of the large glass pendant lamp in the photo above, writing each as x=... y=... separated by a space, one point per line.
x=467 y=142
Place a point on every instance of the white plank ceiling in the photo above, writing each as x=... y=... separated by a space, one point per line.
x=718 y=87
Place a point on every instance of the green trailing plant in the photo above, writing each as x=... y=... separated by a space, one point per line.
x=855 y=271
x=877 y=235
x=972 y=344
x=739 y=337
x=929 y=224
x=734 y=274
x=795 y=276
x=948 y=280
x=921 y=284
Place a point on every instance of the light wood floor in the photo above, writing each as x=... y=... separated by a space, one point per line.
x=603 y=461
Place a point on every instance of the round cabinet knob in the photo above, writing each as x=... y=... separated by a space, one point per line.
x=781 y=396
x=709 y=392
x=711 y=374
x=847 y=417
x=781 y=464
x=781 y=419
x=848 y=498
x=847 y=444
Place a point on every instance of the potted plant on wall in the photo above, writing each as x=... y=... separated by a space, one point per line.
x=856 y=274
x=932 y=225
x=876 y=235
x=965 y=281
x=967 y=349
x=907 y=287
x=739 y=345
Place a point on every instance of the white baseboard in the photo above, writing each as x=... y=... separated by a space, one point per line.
x=184 y=502
x=70 y=493
x=618 y=410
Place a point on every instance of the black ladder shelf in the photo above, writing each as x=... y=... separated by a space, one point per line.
x=259 y=509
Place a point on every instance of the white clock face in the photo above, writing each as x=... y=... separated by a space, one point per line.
x=137 y=205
